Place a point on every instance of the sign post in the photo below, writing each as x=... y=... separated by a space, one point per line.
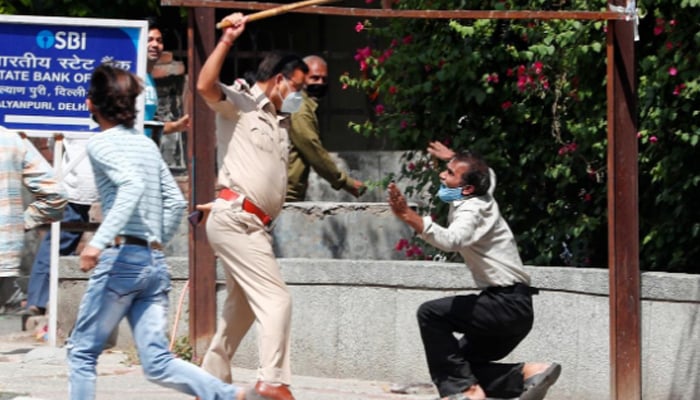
x=45 y=68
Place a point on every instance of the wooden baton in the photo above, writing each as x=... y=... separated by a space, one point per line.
x=271 y=12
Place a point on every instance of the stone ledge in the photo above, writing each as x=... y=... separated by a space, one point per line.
x=433 y=275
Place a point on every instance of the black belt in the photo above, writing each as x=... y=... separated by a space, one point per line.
x=519 y=288
x=136 y=241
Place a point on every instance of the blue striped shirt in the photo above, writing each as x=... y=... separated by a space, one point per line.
x=138 y=193
x=21 y=166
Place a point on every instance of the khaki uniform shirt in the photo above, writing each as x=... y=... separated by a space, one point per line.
x=307 y=151
x=252 y=146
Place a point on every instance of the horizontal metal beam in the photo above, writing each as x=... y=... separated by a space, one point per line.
x=385 y=13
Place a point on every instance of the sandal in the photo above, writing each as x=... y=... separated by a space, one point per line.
x=537 y=385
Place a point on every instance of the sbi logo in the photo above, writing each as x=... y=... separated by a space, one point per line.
x=62 y=40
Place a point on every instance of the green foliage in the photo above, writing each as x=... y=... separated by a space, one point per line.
x=183 y=349
x=531 y=96
x=72 y=8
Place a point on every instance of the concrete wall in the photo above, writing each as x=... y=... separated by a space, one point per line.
x=356 y=319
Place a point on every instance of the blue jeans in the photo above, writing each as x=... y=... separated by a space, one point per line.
x=38 y=287
x=133 y=281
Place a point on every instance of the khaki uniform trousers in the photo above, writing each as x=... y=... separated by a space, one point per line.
x=256 y=293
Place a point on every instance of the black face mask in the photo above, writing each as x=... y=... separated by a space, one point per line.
x=317 y=90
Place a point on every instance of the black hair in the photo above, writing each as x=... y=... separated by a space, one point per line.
x=113 y=93
x=477 y=174
x=280 y=63
x=153 y=23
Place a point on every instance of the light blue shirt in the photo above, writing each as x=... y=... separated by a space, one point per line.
x=139 y=194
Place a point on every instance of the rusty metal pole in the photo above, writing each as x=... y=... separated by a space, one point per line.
x=200 y=152
x=623 y=213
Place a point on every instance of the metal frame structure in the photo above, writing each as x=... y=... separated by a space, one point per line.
x=623 y=209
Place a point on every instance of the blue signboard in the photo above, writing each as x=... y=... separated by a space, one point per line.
x=46 y=64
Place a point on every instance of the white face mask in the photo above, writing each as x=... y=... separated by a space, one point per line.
x=292 y=101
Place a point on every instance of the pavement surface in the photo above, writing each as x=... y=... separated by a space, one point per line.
x=32 y=370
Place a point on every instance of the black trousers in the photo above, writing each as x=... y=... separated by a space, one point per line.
x=492 y=322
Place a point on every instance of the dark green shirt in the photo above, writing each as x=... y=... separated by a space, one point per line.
x=307 y=152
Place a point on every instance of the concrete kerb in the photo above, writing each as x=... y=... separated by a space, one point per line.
x=356 y=319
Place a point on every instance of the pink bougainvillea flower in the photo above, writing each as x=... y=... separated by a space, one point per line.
x=363 y=65
x=506 y=105
x=653 y=139
x=587 y=197
x=537 y=66
x=639 y=135
x=404 y=125
x=411 y=166
x=492 y=78
x=678 y=89
x=363 y=53
x=567 y=148
x=509 y=72
x=521 y=70
x=401 y=244
x=417 y=251
x=379 y=109
x=385 y=56
x=407 y=39
x=414 y=251
x=345 y=86
x=672 y=22
x=673 y=71
x=658 y=30
x=669 y=45
x=393 y=89
x=359 y=27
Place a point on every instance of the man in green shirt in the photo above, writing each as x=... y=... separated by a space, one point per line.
x=307 y=151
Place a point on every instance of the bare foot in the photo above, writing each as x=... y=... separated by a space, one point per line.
x=532 y=369
x=475 y=392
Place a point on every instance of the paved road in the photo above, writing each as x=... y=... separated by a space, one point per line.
x=29 y=369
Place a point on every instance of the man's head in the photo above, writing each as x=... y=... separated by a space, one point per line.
x=469 y=172
x=112 y=96
x=282 y=76
x=317 y=78
x=155 y=42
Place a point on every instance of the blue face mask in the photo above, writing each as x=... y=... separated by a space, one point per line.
x=292 y=102
x=448 y=195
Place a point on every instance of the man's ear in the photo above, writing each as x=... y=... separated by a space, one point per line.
x=467 y=190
